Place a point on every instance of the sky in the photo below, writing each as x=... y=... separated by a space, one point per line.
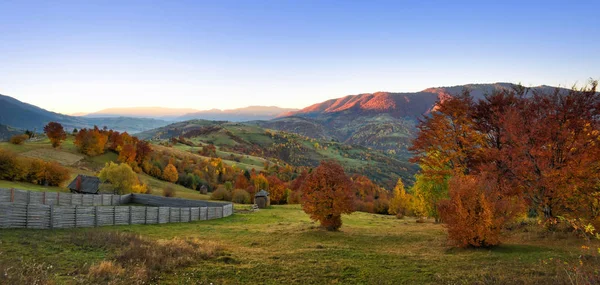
x=83 y=56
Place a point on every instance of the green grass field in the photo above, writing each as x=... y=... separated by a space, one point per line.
x=281 y=245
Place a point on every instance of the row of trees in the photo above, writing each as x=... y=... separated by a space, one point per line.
x=32 y=170
x=515 y=151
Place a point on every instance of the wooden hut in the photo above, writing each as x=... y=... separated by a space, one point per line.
x=84 y=184
x=203 y=189
x=262 y=200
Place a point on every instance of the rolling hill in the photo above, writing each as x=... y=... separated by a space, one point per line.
x=252 y=144
x=22 y=115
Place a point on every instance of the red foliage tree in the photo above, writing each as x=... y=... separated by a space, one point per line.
x=55 y=133
x=476 y=211
x=277 y=190
x=327 y=194
x=143 y=151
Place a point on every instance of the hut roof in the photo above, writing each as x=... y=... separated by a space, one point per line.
x=88 y=185
x=262 y=193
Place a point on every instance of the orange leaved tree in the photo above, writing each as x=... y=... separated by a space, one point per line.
x=170 y=173
x=476 y=211
x=55 y=133
x=327 y=194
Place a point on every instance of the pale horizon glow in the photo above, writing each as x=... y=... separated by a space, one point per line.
x=85 y=56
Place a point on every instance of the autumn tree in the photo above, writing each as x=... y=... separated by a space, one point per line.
x=327 y=194
x=121 y=176
x=476 y=211
x=401 y=201
x=91 y=142
x=127 y=153
x=241 y=182
x=170 y=173
x=143 y=151
x=55 y=133
x=277 y=190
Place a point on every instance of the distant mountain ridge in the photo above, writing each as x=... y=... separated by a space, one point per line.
x=249 y=113
x=22 y=115
x=142 y=112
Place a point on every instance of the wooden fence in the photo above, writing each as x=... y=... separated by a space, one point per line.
x=49 y=210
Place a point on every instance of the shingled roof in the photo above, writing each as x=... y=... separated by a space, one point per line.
x=87 y=184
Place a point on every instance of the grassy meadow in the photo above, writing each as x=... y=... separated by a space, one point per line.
x=281 y=245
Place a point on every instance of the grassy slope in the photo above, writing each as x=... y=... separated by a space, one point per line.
x=295 y=149
x=281 y=245
x=87 y=165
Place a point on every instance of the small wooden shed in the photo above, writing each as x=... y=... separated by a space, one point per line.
x=84 y=184
x=262 y=199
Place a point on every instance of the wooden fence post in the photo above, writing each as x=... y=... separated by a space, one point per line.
x=146 y=216
x=27 y=215
x=130 y=215
x=58 y=198
x=180 y=216
x=190 y=218
x=28 y=197
x=51 y=217
x=96 y=216
x=75 y=216
x=114 y=215
x=169 y=209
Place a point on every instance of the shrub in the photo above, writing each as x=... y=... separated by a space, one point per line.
x=381 y=206
x=240 y=196
x=18 y=139
x=221 y=194
x=8 y=164
x=55 y=174
x=294 y=197
x=140 y=188
x=105 y=271
x=168 y=191
x=475 y=213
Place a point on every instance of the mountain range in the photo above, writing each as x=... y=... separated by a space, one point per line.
x=182 y=114
x=384 y=121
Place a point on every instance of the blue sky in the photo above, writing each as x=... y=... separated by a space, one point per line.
x=82 y=56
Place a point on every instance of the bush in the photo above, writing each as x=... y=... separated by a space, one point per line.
x=221 y=194
x=294 y=197
x=240 y=196
x=18 y=139
x=105 y=271
x=8 y=164
x=381 y=206
x=475 y=213
x=168 y=191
